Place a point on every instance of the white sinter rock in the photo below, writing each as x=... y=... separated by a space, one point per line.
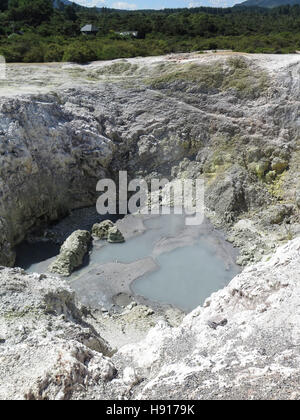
x=244 y=343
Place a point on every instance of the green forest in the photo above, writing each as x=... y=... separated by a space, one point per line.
x=36 y=31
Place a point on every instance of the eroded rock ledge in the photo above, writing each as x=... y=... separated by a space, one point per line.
x=243 y=344
x=231 y=118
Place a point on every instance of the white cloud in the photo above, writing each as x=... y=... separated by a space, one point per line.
x=209 y=3
x=91 y=3
x=124 y=5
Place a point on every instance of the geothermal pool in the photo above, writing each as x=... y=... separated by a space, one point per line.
x=187 y=276
x=162 y=261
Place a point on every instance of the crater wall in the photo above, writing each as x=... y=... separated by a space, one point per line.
x=232 y=119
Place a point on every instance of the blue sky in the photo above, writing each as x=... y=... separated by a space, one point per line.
x=155 y=4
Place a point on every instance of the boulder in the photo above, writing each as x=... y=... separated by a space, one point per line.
x=115 y=236
x=69 y=353
x=276 y=214
x=262 y=167
x=231 y=194
x=255 y=154
x=279 y=165
x=100 y=230
x=298 y=199
x=72 y=253
x=270 y=176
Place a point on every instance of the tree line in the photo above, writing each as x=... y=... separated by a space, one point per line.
x=36 y=31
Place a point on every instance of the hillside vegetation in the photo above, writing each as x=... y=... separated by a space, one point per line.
x=36 y=31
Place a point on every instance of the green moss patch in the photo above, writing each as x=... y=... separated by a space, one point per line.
x=235 y=73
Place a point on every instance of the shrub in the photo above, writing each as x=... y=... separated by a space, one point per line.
x=79 y=53
x=212 y=46
x=34 y=55
x=12 y=55
x=53 y=53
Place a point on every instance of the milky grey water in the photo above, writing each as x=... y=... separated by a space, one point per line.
x=187 y=276
x=191 y=263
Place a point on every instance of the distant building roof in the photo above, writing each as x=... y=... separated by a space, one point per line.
x=89 y=28
x=15 y=33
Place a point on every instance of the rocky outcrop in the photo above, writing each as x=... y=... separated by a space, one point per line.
x=242 y=344
x=298 y=199
x=107 y=230
x=71 y=253
x=42 y=174
x=100 y=230
x=115 y=235
x=47 y=350
x=234 y=193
